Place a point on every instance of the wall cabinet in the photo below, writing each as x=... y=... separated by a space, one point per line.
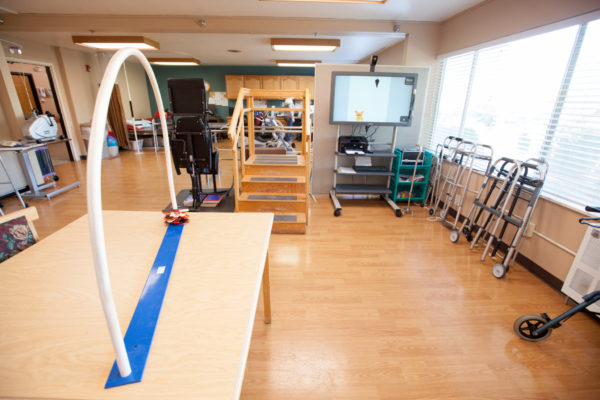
x=271 y=82
x=253 y=81
x=233 y=83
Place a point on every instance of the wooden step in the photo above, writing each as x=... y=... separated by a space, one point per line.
x=274 y=184
x=276 y=159
x=272 y=165
x=272 y=202
x=289 y=223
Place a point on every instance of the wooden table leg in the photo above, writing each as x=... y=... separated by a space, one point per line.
x=266 y=288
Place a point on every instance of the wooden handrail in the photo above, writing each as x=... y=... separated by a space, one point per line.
x=237 y=112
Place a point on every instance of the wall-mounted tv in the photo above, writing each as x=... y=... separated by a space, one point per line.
x=377 y=98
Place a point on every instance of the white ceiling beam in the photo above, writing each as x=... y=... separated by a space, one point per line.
x=191 y=24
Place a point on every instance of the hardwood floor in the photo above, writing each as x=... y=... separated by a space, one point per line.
x=370 y=306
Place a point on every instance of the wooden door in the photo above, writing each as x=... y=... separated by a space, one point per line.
x=233 y=84
x=253 y=82
x=289 y=83
x=25 y=90
x=271 y=82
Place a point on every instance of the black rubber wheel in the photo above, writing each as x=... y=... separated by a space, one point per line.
x=466 y=230
x=422 y=204
x=469 y=237
x=499 y=270
x=399 y=213
x=525 y=325
x=337 y=212
x=431 y=211
x=56 y=178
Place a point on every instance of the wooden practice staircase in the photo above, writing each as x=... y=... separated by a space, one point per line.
x=277 y=183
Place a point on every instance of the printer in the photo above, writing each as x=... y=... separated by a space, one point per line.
x=353 y=143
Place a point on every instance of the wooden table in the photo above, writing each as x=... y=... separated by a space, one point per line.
x=54 y=343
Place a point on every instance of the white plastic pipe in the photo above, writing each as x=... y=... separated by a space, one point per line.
x=94 y=194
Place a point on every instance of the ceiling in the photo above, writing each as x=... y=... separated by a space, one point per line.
x=245 y=25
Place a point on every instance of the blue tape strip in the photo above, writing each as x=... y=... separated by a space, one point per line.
x=140 y=332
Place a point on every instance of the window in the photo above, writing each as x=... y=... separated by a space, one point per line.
x=537 y=97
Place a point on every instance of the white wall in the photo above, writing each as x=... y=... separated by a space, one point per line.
x=324 y=143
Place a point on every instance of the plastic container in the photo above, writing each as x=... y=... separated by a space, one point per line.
x=136 y=145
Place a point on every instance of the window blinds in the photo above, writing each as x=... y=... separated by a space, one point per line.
x=537 y=97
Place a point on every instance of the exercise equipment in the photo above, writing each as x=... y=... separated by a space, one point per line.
x=129 y=363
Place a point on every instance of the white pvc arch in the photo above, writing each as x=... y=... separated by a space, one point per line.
x=94 y=194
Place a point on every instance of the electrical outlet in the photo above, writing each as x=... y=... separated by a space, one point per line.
x=529 y=231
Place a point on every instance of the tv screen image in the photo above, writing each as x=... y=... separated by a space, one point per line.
x=372 y=98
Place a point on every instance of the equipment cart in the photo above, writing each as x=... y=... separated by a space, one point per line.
x=359 y=176
x=411 y=175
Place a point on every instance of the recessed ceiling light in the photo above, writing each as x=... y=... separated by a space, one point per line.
x=296 y=63
x=292 y=44
x=174 y=61
x=116 y=42
x=337 y=1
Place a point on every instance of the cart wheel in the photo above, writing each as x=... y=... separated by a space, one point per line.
x=337 y=212
x=469 y=237
x=399 y=213
x=442 y=214
x=454 y=236
x=525 y=325
x=499 y=270
x=431 y=211
x=56 y=178
x=466 y=230
x=422 y=204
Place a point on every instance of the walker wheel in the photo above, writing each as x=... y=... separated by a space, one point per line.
x=431 y=211
x=399 y=213
x=454 y=236
x=337 y=212
x=525 y=325
x=499 y=270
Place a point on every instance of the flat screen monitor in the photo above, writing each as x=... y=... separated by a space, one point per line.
x=376 y=98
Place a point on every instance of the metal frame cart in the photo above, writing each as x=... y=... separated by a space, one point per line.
x=404 y=185
x=508 y=185
x=365 y=188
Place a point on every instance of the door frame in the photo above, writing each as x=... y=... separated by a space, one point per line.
x=66 y=118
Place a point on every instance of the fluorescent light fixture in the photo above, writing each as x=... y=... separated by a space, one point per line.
x=296 y=63
x=116 y=42
x=336 y=1
x=174 y=61
x=292 y=44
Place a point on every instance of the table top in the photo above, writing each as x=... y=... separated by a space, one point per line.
x=54 y=340
x=32 y=145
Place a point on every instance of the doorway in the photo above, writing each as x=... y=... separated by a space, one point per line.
x=36 y=91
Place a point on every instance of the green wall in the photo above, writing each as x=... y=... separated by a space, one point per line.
x=215 y=75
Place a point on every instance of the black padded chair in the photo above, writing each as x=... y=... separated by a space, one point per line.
x=193 y=146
